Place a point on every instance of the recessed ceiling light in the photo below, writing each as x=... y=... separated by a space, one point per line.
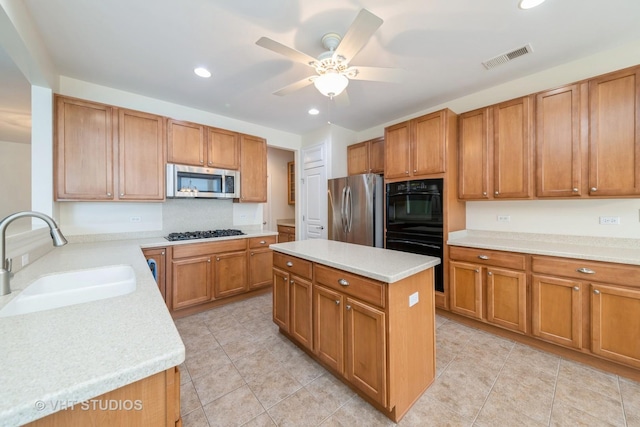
x=314 y=111
x=202 y=72
x=528 y=4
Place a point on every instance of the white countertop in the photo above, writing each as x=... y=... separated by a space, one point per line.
x=624 y=251
x=375 y=263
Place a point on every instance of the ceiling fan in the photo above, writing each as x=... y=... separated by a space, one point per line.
x=332 y=68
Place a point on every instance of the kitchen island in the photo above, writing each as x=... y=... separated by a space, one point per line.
x=366 y=314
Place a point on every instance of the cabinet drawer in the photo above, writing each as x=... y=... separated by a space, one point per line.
x=285 y=229
x=261 y=242
x=488 y=257
x=297 y=266
x=590 y=271
x=365 y=289
x=195 y=249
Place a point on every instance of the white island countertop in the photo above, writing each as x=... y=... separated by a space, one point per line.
x=67 y=355
x=375 y=263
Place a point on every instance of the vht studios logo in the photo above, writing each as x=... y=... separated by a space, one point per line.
x=91 y=405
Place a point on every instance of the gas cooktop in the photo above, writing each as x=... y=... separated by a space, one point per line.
x=192 y=235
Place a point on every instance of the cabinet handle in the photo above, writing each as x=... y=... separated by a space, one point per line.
x=485 y=257
x=576 y=288
x=489 y=273
x=217 y=258
x=162 y=253
x=121 y=194
x=597 y=292
x=285 y=279
x=343 y=282
x=348 y=307
x=208 y=259
x=496 y=193
x=407 y=172
x=476 y=270
x=585 y=270
x=575 y=189
x=291 y=281
x=415 y=170
x=594 y=189
x=289 y=264
x=484 y=193
x=251 y=253
x=337 y=302
x=108 y=194
x=262 y=242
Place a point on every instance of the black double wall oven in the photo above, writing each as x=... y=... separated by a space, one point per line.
x=415 y=220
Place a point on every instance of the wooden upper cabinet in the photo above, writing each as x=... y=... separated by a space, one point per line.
x=84 y=150
x=253 y=169
x=141 y=156
x=473 y=154
x=185 y=143
x=223 y=149
x=614 y=138
x=106 y=153
x=512 y=148
x=418 y=147
x=366 y=157
x=557 y=142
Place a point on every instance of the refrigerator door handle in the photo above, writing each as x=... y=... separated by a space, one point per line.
x=350 y=206
x=343 y=215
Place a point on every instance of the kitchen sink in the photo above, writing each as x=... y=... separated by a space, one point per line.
x=73 y=287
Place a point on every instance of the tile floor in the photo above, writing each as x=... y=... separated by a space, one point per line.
x=240 y=371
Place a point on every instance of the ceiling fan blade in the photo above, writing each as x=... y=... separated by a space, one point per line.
x=358 y=34
x=295 y=86
x=342 y=100
x=392 y=75
x=290 y=53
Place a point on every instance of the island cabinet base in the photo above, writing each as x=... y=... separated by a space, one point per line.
x=376 y=337
x=152 y=401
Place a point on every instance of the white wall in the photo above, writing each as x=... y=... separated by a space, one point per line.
x=570 y=217
x=15 y=176
x=340 y=139
x=277 y=169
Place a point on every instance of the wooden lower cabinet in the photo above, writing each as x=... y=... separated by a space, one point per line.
x=361 y=329
x=191 y=281
x=156 y=258
x=466 y=289
x=286 y=234
x=507 y=298
x=151 y=401
x=556 y=310
x=615 y=323
x=230 y=274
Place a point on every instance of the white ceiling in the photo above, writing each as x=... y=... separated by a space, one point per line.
x=150 y=47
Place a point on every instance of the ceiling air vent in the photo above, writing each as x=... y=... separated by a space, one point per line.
x=506 y=57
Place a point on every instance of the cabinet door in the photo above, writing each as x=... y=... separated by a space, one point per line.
x=301 y=321
x=507 y=298
x=281 y=299
x=557 y=310
x=328 y=324
x=376 y=155
x=83 y=150
x=191 y=284
x=397 y=151
x=512 y=149
x=185 y=143
x=615 y=323
x=291 y=183
x=466 y=289
x=614 y=138
x=230 y=274
x=260 y=266
x=157 y=266
x=428 y=146
x=223 y=149
x=473 y=154
x=141 y=156
x=358 y=158
x=253 y=171
x=366 y=362
x=558 y=155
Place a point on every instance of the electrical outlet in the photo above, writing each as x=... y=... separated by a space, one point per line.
x=25 y=259
x=413 y=299
x=610 y=220
x=503 y=218
x=135 y=219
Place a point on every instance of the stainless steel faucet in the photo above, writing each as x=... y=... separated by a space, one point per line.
x=5 y=271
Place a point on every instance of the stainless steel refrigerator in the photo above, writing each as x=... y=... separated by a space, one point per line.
x=356 y=209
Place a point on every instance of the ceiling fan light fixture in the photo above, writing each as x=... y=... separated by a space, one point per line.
x=529 y=4
x=331 y=84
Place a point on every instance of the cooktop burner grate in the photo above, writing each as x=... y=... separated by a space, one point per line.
x=192 y=235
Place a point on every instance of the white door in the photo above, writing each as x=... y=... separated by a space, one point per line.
x=314 y=210
x=266 y=209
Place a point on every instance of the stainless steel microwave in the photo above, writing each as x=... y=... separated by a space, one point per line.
x=198 y=182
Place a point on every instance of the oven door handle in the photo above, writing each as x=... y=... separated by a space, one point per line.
x=413 y=242
x=411 y=193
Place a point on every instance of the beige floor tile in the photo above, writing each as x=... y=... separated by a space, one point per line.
x=282 y=348
x=440 y=320
x=460 y=392
x=185 y=377
x=242 y=348
x=199 y=343
x=233 y=409
x=262 y=420
x=630 y=391
x=218 y=383
x=358 y=413
x=256 y=365
x=204 y=362
x=299 y=409
x=303 y=368
x=591 y=378
x=427 y=412
x=273 y=387
x=224 y=322
x=513 y=398
x=330 y=392
x=564 y=415
x=195 y=418
x=573 y=393
x=231 y=334
x=189 y=400
x=526 y=361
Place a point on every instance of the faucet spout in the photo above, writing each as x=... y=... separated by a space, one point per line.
x=5 y=269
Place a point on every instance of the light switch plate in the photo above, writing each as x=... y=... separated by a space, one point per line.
x=413 y=299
